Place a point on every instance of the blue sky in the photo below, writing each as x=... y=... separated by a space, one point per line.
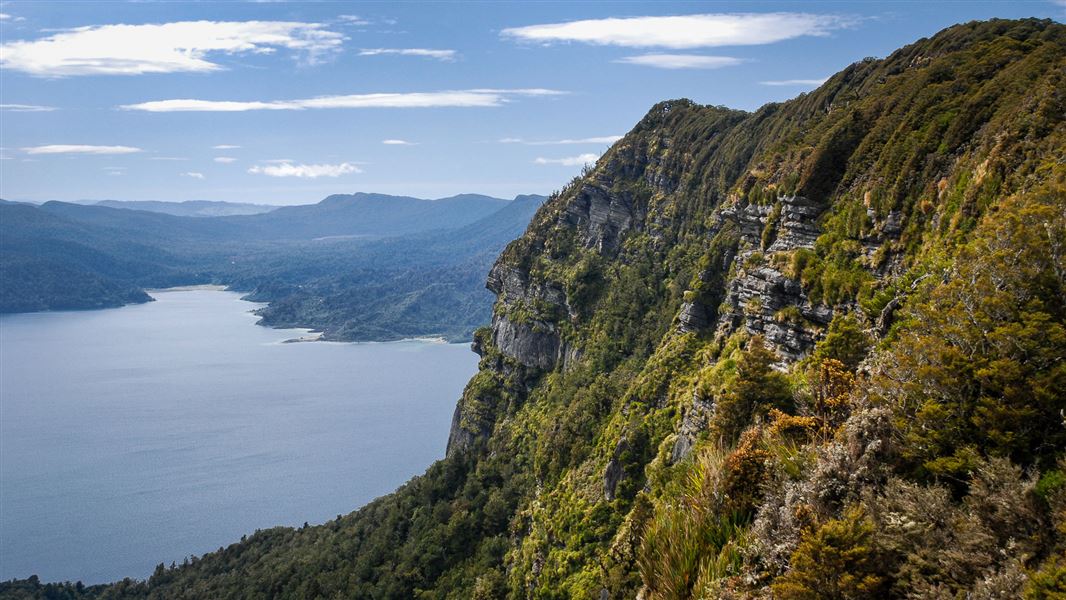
x=285 y=103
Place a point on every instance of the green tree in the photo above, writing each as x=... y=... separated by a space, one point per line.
x=757 y=389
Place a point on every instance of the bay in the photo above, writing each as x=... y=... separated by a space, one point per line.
x=144 y=434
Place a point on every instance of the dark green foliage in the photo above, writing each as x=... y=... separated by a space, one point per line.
x=978 y=368
x=845 y=341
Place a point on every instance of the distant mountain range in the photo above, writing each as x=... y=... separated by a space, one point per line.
x=189 y=208
x=386 y=250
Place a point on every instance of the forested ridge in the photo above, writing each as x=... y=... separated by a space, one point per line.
x=813 y=351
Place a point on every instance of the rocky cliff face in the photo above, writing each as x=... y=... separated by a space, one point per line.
x=729 y=232
x=532 y=342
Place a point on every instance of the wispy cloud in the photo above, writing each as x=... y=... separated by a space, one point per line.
x=686 y=31
x=193 y=174
x=352 y=20
x=444 y=55
x=398 y=143
x=569 y=161
x=80 y=149
x=225 y=147
x=681 y=61
x=604 y=139
x=115 y=170
x=287 y=169
x=26 y=108
x=4 y=16
x=163 y=48
x=225 y=159
x=167 y=158
x=456 y=98
x=799 y=82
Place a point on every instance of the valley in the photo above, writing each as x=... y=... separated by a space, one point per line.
x=365 y=267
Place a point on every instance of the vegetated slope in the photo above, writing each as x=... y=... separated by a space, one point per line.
x=48 y=262
x=814 y=351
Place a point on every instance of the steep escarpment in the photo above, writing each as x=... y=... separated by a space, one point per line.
x=797 y=352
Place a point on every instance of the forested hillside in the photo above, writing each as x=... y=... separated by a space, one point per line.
x=427 y=284
x=814 y=351
x=50 y=262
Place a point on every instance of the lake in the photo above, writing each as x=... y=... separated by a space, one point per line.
x=144 y=434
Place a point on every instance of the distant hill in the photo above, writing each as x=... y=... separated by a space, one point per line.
x=49 y=262
x=356 y=215
x=190 y=208
x=149 y=226
x=428 y=284
x=369 y=215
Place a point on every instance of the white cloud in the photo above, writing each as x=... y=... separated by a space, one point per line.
x=26 y=108
x=162 y=48
x=569 y=161
x=445 y=55
x=225 y=147
x=456 y=98
x=604 y=139
x=167 y=158
x=801 y=82
x=193 y=174
x=681 y=61
x=4 y=16
x=115 y=170
x=80 y=149
x=686 y=31
x=225 y=159
x=287 y=169
x=398 y=143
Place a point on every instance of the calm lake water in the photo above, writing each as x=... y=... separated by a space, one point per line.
x=140 y=435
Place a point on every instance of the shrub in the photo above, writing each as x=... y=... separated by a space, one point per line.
x=844 y=342
x=756 y=389
x=838 y=561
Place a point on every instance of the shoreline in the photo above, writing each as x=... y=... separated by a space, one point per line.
x=316 y=336
x=210 y=287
